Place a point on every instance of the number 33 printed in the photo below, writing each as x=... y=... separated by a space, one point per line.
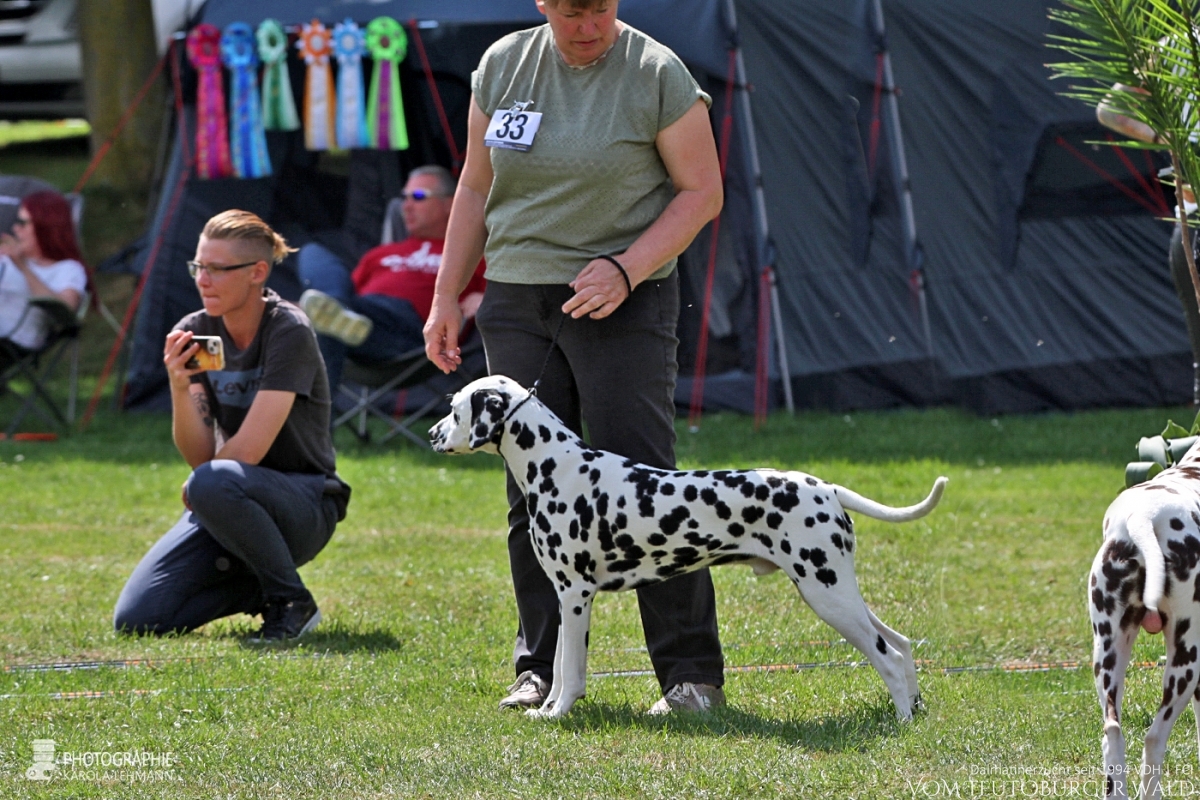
x=513 y=127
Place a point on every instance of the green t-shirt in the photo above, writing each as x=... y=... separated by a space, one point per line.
x=593 y=180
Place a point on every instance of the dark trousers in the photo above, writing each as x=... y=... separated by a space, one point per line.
x=1181 y=276
x=239 y=546
x=617 y=375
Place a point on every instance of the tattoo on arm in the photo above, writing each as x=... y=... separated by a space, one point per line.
x=201 y=401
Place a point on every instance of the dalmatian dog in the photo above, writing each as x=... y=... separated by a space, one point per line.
x=1147 y=574
x=603 y=523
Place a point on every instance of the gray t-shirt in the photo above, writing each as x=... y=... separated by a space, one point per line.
x=283 y=357
x=593 y=180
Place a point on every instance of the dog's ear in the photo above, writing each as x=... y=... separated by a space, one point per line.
x=487 y=416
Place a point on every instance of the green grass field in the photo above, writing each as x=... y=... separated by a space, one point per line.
x=395 y=695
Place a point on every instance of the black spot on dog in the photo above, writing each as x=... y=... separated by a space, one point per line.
x=1183 y=655
x=646 y=507
x=881 y=645
x=774 y=481
x=822 y=517
x=827 y=576
x=548 y=467
x=774 y=520
x=1104 y=628
x=816 y=556
x=583 y=468
x=525 y=437
x=531 y=473
x=544 y=432
x=837 y=541
x=811 y=481
x=585 y=565
x=594 y=476
x=1183 y=555
x=584 y=510
x=670 y=523
x=762 y=492
x=809 y=522
x=1176 y=524
x=690 y=494
x=667 y=489
x=752 y=514
x=723 y=511
x=785 y=546
x=747 y=490
x=562 y=436
x=818 y=500
x=542 y=522
x=612 y=585
x=736 y=529
x=1104 y=603
x=799 y=569
x=786 y=501
x=656 y=539
x=700 y=473
x=686 y=556
x=709 y=496
x=766 y=540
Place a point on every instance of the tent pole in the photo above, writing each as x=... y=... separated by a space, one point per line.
x=763 y=247
x=914 y=256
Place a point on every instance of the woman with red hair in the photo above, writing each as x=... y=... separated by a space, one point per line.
x=39 y=257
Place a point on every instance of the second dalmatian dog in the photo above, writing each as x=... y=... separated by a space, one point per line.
x=604 y=523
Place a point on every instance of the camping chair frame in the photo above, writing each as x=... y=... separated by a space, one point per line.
x=38 y=366
x=374 y=381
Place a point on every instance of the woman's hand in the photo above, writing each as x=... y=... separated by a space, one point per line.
x=176 y=352
x=599 y=291
x=10 y=248
x=441 y=333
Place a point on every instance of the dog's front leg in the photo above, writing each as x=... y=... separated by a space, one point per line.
x=570 y=657
x=1179 y=683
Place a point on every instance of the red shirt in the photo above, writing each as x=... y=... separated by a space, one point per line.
x=407 y=270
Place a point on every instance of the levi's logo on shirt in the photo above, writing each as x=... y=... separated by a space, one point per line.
x=235 y=388
x=420 y=260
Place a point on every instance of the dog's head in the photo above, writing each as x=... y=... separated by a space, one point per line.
x=477 y=414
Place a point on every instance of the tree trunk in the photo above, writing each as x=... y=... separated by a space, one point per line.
x=117 y=41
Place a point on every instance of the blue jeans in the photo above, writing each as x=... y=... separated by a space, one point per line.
x=239 y=546
x=397 y=325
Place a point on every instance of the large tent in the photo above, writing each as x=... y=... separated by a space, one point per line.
x=955 y=237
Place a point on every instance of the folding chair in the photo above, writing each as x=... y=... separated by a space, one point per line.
x=373 y=382
x=38 y=366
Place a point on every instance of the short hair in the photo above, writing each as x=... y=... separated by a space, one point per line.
x=447 y=183
x=53 y=225
x=238 y=225
x=579 y=5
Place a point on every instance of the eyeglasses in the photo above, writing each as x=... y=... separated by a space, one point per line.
x=21 y=222
x=194 y=268
x=419 y=194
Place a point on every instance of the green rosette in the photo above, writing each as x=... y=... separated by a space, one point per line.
x=387 y=45
x=278 y=103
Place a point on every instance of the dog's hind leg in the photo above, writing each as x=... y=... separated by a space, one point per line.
x=1179 y=684
x=570 y=656
x=904 y=647
x=1111 y=651
x=840 y=605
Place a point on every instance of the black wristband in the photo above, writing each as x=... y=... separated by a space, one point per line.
x=624 y=274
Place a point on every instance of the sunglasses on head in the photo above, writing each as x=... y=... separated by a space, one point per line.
x=419 y=194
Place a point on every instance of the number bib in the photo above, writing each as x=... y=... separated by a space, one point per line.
x=513 y=129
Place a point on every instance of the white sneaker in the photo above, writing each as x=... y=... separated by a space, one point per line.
x=697 y=697
x=331 y=318
x=527 y=691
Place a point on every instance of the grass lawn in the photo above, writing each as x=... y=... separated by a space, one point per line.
x=395 y=695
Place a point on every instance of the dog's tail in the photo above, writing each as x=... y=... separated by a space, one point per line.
x=856 y=502
x=1141 y=531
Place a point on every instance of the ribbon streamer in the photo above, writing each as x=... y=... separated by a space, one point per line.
x=385 y=109
x=349 y=45
x=248 y=141
x=278 y=103
x=212 y=138
x=319 y=99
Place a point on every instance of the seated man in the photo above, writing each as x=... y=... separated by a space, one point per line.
x=377 y=312
x=264 y=495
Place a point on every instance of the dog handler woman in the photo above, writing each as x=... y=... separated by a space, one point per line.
x=590 y=167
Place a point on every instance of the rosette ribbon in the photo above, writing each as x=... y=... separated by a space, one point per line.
x=278 y=103
x=349 y=45
x=319 y=99
x=212 y=136
x=385 y=109
x=248 y=141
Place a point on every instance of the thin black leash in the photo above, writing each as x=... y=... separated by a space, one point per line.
x=541 y=374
